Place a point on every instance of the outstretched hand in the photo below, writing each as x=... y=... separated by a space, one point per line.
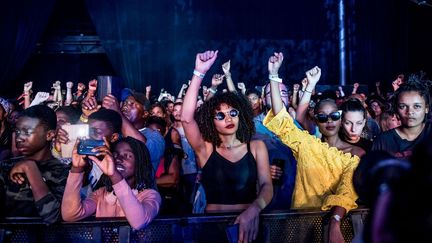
x=274 y=63
x=205 y=60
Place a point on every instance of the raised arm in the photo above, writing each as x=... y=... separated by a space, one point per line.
x=26 y=93
x=69 y=98
x=296 y=88
x=274 y=63
x=313 y=75
x=181 y=92
x=203 y=62
x=230 y=83
x=148 y=92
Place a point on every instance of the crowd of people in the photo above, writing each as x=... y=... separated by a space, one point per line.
x=210 y=151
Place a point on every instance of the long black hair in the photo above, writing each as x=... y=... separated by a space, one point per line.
x=143 y=168
x=205 y=117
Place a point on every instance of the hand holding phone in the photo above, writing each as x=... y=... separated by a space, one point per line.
x=85 y=147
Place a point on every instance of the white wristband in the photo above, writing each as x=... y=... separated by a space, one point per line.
x=212 y=90
x=198 y=74
x=275 y=78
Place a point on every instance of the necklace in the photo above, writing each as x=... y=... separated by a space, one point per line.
x=230 y=146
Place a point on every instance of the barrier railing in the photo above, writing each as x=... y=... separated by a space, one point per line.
x=280 y=226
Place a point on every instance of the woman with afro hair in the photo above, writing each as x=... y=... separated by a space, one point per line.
x=235 y=170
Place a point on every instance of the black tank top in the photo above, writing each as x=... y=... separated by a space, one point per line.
x=226 y=182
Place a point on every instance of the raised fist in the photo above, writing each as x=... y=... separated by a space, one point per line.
x=205 y=60
x=148 y=88
x=69 y=85
x=241 y=86
x=313 y=75
x=274 y=63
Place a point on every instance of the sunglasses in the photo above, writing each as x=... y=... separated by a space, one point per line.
x=221 y=115
x=334 y=116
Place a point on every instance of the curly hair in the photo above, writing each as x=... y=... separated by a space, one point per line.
x=206 y=113
x=143 y=168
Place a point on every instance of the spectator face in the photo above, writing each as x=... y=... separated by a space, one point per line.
x=412 y=109
x=228 y=119
x=284 y=95
x=132 y=109
x=331 y=127
x=353 y=124
x=62 y=118
x=390 y=123
x=376 y=108
x=31 y=137
x=99 y=130
x=157 y=111
x=124 y=160
x=170 y=108
x=255 y=101
x=177 y=109
x=13 y=117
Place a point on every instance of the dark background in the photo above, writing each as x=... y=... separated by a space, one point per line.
x=155 y=41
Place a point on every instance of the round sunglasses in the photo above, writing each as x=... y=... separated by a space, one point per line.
x=221 y=115
x=334 y=116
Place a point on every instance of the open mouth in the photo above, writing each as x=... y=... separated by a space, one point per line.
x=120 y=168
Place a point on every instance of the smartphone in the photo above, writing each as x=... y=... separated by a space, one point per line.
x=85 y=146
x=279 y=163
x=74 y=132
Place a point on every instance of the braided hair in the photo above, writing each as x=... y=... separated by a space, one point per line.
x=143 y=168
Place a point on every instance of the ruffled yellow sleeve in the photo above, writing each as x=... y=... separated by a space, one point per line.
x=324 y=174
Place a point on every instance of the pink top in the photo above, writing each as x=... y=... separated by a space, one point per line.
x=138 y=208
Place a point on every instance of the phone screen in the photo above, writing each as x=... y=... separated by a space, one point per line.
x=74 y=132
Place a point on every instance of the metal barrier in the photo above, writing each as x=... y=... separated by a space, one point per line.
x=281 y=226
